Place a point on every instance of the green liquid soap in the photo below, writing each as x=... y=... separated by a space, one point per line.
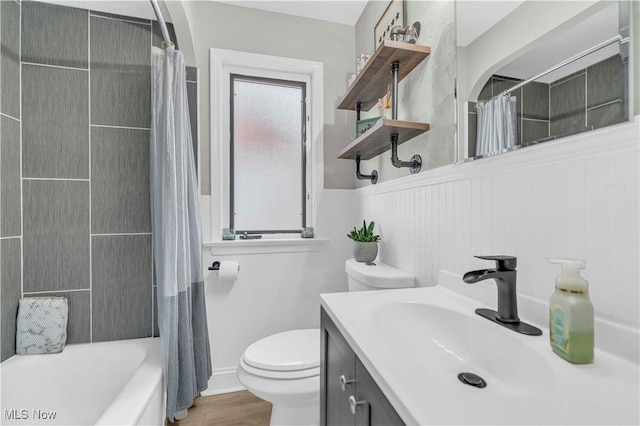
x=571 y=315
x=579 y=348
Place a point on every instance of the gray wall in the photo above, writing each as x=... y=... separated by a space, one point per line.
x=218 y=25
x=79 y=169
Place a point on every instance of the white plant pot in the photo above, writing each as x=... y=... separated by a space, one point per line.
x=365 y=252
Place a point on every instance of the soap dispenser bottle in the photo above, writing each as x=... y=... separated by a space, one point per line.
x=571 y=314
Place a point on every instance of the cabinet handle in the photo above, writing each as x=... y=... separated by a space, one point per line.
x=353 y=404
x=344 y=382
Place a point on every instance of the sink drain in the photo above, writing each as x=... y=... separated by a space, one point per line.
x=472 y=380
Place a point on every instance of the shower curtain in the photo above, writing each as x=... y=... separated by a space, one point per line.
x=497 y=127
x=177 y=236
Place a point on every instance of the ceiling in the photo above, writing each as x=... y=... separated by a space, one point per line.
x=136 y=8
x=473 y=18
x=585 y=34
x=340 y=11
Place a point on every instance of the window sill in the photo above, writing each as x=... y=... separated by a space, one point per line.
x=266 y=245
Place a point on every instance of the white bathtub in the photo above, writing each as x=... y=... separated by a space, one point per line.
x=110 y=383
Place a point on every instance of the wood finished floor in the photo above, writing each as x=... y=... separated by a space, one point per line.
x=229 y=409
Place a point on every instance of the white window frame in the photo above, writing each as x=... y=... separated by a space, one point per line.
x=223 y=64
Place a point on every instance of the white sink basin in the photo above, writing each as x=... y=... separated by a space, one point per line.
x=414 y=343
x=454 y=342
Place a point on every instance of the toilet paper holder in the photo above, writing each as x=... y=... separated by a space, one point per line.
x=215 y=266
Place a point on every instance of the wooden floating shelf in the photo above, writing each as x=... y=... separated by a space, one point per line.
x=373 y=80
x=377 y=139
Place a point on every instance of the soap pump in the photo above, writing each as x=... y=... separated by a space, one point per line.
x=571 y=314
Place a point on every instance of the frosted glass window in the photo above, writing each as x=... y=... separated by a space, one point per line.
x=267 y=155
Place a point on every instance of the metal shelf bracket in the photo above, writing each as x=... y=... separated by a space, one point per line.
x=415 y=163
x=373 y=177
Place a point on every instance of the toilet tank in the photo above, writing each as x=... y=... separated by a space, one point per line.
x=376 y=276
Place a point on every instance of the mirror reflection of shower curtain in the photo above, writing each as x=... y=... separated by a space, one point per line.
x=497 y=125
x=177 y=236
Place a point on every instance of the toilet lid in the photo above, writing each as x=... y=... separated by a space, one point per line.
x=287 y=351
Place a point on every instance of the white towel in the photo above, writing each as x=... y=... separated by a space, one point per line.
x=41 y=325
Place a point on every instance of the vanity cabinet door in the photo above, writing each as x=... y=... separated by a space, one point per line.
x=348 y=393
x=337 y=376
x=373 y=408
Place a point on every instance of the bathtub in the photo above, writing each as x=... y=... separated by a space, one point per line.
x=109 y=383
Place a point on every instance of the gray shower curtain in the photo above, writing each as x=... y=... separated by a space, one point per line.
x=177 y=236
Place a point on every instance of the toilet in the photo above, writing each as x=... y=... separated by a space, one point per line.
x=284 y=368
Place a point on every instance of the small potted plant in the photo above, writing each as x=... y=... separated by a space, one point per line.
x=365 y=243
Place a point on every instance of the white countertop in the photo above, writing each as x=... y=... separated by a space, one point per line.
x=425 y=392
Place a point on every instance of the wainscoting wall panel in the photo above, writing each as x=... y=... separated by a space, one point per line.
x=576 y=197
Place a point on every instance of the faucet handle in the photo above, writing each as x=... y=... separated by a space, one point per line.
x=503 y=263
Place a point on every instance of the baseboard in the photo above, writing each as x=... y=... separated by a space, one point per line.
x=223 y=380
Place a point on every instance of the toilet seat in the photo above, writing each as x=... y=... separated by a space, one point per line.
x=292 y=354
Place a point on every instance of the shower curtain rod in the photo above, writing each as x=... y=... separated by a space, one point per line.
x=574 y=58
x=163 y=25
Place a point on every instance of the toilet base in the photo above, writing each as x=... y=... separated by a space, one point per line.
x=294 y=402
x=295 y=415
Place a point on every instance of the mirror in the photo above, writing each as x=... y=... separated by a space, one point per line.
x=562 y=70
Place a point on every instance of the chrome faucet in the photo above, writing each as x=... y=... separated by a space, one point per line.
x=504 y=275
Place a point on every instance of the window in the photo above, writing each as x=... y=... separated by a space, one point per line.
x=267 y=155
x=267 y=170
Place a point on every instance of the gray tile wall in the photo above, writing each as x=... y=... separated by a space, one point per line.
x=10 y=214
x=56 y=147
x=121 y=289
x=567 y=105
x=10 y=174
x=75 y=216
x=120 y=73
x=10 y=292
x=10 y=61
x=55 y=35
x=119 y=181
x=588 y=99
x=56 y=235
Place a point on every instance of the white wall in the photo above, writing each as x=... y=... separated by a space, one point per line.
x=577 y=197
x=275 y=291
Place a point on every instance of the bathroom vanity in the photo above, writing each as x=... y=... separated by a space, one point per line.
x=398 y=357
x=348 y=393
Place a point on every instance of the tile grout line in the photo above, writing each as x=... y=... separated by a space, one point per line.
x=56 y=179
x=11 y=237
x=35 y=64
x=113 y=18
x=58 y=291
x=90 y=201
x=9 y=116
x=151 y=251
x=123 y=234
x=554 y=84
x=586 y=96
x=21 y=120
x=605 y=104
x=549 y=100
x=535 y=119
x=106 y=126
